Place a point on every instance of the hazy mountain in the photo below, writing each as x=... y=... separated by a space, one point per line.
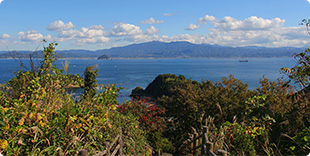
x=156 y=49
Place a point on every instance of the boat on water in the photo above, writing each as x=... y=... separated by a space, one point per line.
x=243 y=61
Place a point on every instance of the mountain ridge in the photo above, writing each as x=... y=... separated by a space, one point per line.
x=157 y=49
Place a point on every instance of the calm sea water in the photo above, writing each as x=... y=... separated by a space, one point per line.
x=130 y=73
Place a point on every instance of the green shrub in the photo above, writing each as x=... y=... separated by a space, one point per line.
x=38 y=116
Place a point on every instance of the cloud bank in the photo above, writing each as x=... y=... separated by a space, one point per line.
x=59 y=26
x=228 y=31
x=168 y=14
x=5 y=36
x=151 y=21
x=192 y=27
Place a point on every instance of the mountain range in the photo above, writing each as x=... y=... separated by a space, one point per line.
x=156 y=49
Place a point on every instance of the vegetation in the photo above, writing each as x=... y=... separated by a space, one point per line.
x=38 y=116
x=273 y=119
x=90 y=81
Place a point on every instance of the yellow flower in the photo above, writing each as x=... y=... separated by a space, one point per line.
x=3 y=144
x=21 y=121
x=22 y=95
x=19 y=129
x=79 y=125
x=30 y=115
x=39 y=117
x=41 y=124
x=109 y=125
x=7 y=125
x=5 y=109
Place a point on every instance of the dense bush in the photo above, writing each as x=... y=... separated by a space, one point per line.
x=189 y=100
x=38 y=116
x=273 y=119
x=151 y=119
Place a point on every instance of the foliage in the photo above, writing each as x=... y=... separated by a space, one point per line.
x=259 y=121
x=162 y=85
x=38 y=116
x=151 y=119
x=302 y=140
x=149 y=115
x=301 y=71
x=90 y=76
x=189 y=100
x=29 y=83
x=239 y=140
x=215 y=134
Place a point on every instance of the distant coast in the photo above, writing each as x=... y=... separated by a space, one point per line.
x=163 y=50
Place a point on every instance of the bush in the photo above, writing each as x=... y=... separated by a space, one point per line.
x=151 y=119
x=38 y=116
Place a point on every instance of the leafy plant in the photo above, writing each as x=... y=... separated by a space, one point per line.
x=90 y=76
x=38 y=116
x=151 y=120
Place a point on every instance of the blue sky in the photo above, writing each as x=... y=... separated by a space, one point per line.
x=101 y=24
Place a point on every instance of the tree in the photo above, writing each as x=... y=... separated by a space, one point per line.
x=90 y=76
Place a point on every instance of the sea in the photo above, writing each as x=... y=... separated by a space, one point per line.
x=131 y=73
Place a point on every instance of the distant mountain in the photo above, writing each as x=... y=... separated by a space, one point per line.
x=156 y=49
x=63 y=53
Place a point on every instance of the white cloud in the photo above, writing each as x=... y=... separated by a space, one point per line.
x=93 y=40
x=92 y=35
x=5 y=36
x=206 y=18
x=251 y=23
x=252 y=31
x=151 y=21
x=32 y=36
x=1 y=1
x=228 y=31
x=132 y=33
x=183 y=37
x=168 y=14
x=152 y=30
x=92 y=31
x=59 y=26
x=97 y=27
x=307 y=1
x=141 y=38
x=123 y=29
x=274 y=37
x=69 y=33
x=192 y=27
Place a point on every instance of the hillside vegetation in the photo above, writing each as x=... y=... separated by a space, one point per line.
x=39 y=117
x=273 y=119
